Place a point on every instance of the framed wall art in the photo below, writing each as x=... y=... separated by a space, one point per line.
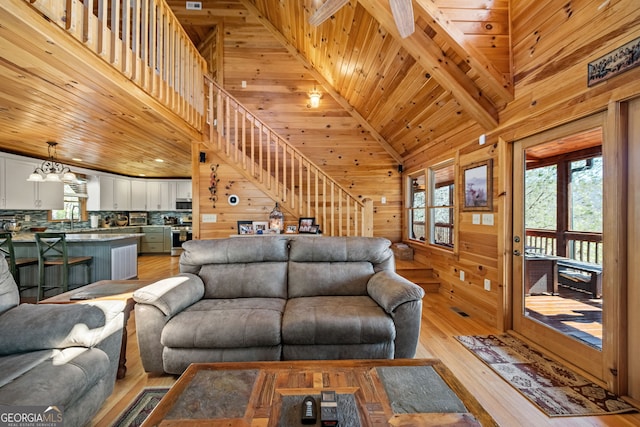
x=477 y=186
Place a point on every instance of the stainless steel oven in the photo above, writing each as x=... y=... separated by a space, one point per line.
x=179 y=235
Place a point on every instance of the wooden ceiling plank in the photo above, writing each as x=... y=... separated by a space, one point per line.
x=319 y=77
x=429 y=54
x=354 y=51
x=476 y=60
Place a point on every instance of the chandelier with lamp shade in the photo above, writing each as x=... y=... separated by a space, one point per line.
x=51 y=170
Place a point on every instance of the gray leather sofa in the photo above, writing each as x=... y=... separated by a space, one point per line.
x=62 y=355
x=278 y=298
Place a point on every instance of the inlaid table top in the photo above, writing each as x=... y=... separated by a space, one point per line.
x=401 y=392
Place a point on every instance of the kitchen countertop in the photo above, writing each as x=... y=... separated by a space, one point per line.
x=77 y=237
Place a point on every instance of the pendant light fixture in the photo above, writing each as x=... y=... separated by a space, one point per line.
x=51 y=170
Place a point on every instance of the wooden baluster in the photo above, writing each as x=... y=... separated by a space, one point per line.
x=333 y=208
x=300 y=172
x=125 y=42
x=253 y=146
x=244 y=139
x=260 y=150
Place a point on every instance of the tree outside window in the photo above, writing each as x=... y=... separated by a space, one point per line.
x=418 y=203
x=441 y=206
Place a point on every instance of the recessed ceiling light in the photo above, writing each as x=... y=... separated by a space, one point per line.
x=76 y=160
x=141 y=174
x=159 y=160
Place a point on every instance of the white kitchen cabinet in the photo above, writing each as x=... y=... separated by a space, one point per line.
x=138 y=195
x=184 y=190
x=22 y=194
x=108 y=193
x=159 y=195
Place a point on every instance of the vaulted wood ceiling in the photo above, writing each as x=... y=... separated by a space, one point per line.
x=452 y=73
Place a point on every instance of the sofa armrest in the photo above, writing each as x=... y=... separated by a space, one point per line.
x=32 y=327
x=402 y=300
x=156 y=304
x=390 y=290
x=172 y=295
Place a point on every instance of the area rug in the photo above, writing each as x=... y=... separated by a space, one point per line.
x=555 y=389
x=141 y=407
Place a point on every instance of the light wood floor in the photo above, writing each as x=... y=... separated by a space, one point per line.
x=440 y=325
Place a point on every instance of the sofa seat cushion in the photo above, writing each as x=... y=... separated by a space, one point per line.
x=226 y=323
x=336 y=320
x=60 y=379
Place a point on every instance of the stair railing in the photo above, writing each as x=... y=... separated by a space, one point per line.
x=280 y=170
x=144 y=41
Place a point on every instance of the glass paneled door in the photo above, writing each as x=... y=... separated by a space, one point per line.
x=557 y=241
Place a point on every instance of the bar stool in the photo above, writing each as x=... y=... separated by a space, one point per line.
x=53 y=251
x=7 y=250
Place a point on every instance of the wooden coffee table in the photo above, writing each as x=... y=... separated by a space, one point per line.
x=106 y=290
x=403 y=392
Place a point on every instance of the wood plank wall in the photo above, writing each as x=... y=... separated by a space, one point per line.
x=277 y=91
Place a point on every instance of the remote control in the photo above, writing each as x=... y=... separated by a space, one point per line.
x=309 y=410
x=328 y=408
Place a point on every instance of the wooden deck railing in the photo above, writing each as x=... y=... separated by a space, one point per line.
x=580 y=246
x=282 y=171
x=144 y=41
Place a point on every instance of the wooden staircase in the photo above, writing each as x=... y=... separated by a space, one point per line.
x=279 y=169
x=420 y=274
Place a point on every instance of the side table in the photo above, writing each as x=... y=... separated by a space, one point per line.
x=106 y=290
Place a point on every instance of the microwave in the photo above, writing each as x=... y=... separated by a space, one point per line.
x=183 y=204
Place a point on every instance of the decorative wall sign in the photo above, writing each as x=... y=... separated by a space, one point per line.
x=476 y=183
x=213 y=184
x=620 y=60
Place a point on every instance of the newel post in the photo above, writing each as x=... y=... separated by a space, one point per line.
x=367 y=217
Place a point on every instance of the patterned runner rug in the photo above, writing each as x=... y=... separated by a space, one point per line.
x=556 y=390
x=141 y=407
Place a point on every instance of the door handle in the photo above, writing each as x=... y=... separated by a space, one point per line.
x=517 y=253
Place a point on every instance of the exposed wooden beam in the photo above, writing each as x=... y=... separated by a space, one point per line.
x=430 y=56
x=458 y=42
x=253 y=10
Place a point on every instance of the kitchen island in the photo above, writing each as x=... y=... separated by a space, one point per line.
x=115 y=257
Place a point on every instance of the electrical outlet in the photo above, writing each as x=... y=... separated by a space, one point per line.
x=244 y=84
x=475 y=219
x=27 y=218
x=462 y=275
x=487 y=284
x=487 y=219
x=209 y=218
x=383 y=200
